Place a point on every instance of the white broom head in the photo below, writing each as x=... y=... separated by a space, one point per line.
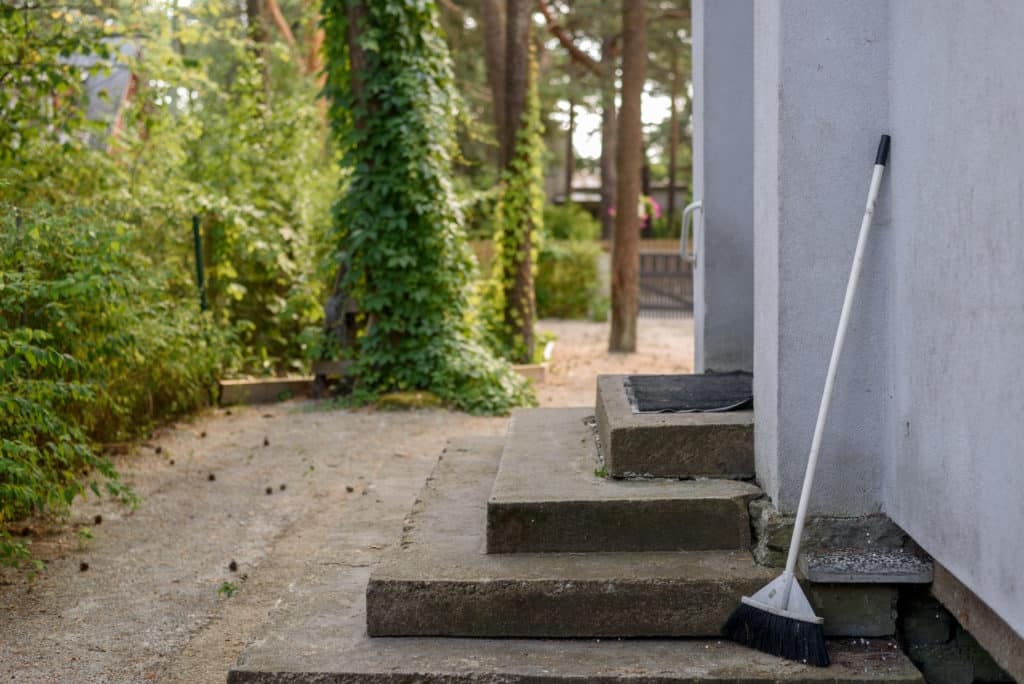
x=770 y=598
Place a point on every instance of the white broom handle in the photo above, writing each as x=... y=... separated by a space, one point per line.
x=837 y=348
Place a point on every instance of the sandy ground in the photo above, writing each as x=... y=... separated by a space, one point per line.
x=247 y=497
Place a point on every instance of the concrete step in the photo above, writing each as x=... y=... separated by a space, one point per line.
x=438 y=581
x=671 y=444
x=317 y=633
x=548 y=497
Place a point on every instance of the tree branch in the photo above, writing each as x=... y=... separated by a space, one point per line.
x=280 y=23
x=559 y=32
x=455 y=10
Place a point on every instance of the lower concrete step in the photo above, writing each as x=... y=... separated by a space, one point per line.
x=548 y=497
x=671 y=444
x=317 y=633
x=439 y=581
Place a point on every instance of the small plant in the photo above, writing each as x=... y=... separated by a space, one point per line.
x=85 y=536
x=601 y=471
x=227 y=589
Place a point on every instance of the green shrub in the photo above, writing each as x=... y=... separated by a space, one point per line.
x=95 y=349
x=570 y=221
x=567 y=280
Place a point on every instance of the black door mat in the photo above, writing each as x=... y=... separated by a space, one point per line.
x=712 y=392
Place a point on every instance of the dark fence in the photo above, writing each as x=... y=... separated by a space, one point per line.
x=666 y=285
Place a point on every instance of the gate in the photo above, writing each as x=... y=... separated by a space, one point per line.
x=666 y=285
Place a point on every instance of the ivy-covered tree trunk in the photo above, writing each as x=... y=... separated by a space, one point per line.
x=398 y=227
x=521 y=206
x=625 y=249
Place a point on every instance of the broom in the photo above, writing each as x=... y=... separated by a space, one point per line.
x=778 y=619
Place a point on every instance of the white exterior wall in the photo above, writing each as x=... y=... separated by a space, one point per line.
x=955 y=465
x=821 y=70
x=723 y=178
x=928 y=417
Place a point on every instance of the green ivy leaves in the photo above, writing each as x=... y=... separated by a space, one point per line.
x=398 y=226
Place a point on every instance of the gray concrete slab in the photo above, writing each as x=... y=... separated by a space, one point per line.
x=866 y=566
x=439 y=581
x=547 y=497
x=854 y=610
x=316 y=633
x=671 y=444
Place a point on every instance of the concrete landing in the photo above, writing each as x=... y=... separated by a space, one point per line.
x=316 y=633
x=439 y=581
x=547 y=498
x=671 y=444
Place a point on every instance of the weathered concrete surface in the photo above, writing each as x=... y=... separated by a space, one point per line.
x=318 y=633
x=439 y=582
x=671 y=444
x=991 y=631
x=547 y=498
x=855 y=610
x=263 y=390
x=773 y=531
x=866 y=566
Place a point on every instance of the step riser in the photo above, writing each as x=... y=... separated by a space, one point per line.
x=671 y=445
x=551 y=608
x=618 y=526
x=547 y=498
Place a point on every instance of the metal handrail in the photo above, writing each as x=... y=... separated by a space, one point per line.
x=684 y=235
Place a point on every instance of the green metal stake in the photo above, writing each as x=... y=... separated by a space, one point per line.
x=199 y=262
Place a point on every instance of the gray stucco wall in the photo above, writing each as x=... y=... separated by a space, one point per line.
x=955 y=465
x=723 y=178
x=821 y=70
x=927 y=416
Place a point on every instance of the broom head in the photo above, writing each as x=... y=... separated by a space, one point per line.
x=790 y=631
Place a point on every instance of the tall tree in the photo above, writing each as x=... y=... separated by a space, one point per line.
x=673 y=134
x=398 y=226
x=492 y=20
x=609 y=118
x=522 y=200
x=625 y=247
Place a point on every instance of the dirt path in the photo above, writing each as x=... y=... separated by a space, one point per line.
x=147 y=607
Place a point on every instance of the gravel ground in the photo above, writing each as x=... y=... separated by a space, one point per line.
x=246 y=497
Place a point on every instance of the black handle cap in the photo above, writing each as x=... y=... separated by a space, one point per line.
x=883 y=151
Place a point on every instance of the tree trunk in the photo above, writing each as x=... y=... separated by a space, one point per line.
x=492 y=19
x=339 y=318
x=519 y=310
x=673 y=141
x=517 y=72
x=254 y=16
x=608 y=134
x=570 y=158
x=625 y=250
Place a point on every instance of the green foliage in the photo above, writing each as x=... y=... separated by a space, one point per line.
x=100 y=332
x=520 y=224
x=227 y=589
x=35 y=47
x=93 y=352
x=567 y=280
x=570 y=221
x=203 y=133
x=398 y=226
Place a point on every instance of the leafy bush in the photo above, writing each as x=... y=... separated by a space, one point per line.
x=570 y=221
x=567 y=280
x=95 y=350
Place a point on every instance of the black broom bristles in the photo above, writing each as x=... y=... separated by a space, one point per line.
x=781 y=636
